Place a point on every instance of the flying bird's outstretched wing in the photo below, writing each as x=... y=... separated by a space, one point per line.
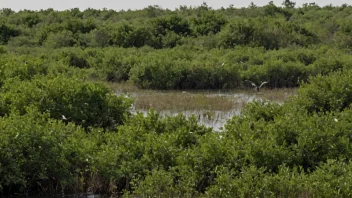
x=252 y=83
x=262 y=84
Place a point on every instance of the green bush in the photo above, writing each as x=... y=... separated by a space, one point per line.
x=21 y=67
x=331 y=93
x=71 y=100
x=208 y=22
x=61 y=39
x=300 y=148
x=75 y=58
x=38 y=154
x=143 y=144
x=6 y=32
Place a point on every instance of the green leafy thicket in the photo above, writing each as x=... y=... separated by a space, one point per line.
x=270 y=26
x=300 y=148
x=62 y=133
x=39 y=154
x=88 y=105
x=281 y=45
x=181 y=67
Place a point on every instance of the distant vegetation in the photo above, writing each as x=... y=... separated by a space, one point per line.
x=189 y=48
x=63 y=131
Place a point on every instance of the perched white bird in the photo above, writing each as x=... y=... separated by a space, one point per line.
x=63 y=117
x=254 y=85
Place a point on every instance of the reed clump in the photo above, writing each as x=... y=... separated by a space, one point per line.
x=182 y=102
x=278 y=95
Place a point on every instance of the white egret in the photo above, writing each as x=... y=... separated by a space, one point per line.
x=257 y=87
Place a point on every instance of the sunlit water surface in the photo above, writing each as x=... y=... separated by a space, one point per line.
x=217 y=118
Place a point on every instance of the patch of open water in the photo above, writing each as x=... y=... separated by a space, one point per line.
x=210 y=118
x=214 y=119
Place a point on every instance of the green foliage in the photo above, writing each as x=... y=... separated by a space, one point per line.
x=332 y=93
x=159 y=71
x=102 y=37
x=184 y=67
x=60 y=39
x=238 y=33
x=3 y=50
x=309 y=31
x=145 y=143
x=157 y=184
x=288 y=4
x=37 y=153
x=75 y=59
x=62 y=133
x=276 y=27
x=71 y=100
x=75 y=25
x=129 y=36
x=6 y=11
x=29 y=19
x=327 y=181
x=268 y=150
x=21 y=68
x=259 y=110
x=6 y=32
x=208 y=22
x=174 y=23
x=267 y=33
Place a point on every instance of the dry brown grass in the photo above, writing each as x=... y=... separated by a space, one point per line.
x=215 y=100
x=122 y=87
x=277 y=95
x=181 y=102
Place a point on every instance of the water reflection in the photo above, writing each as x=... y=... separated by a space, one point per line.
x=214 y=119
x=210 y=117
x=212 y=108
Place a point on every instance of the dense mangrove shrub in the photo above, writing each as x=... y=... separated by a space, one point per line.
x=290 y=135
x=164 y=74
x=6 y=32
x=42 y=155
x=174 y=69
x=152 y=156
x=142 y=144
x=331 y=93
x=62 y=133
x=267 y=33
x=270 y=26
x=331 y=179
x=183 y=67
x=21 y=67
x=71 y=100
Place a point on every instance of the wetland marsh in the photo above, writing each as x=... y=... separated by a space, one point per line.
x=160 y=103
x=212 y=108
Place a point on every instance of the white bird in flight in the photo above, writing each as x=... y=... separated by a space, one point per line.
x=254 y=85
